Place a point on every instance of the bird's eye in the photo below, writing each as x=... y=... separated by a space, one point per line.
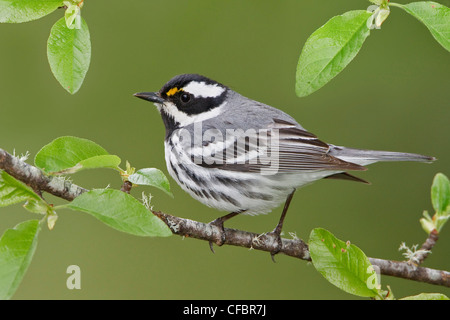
x=185 y=97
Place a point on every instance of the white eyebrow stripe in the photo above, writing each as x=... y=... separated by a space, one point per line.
x=204 y=90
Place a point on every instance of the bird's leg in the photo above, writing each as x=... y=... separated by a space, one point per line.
x=277 y=231
x=219 y=223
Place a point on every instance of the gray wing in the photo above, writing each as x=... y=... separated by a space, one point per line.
x=282 y=146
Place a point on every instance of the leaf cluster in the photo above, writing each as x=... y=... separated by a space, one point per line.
x=347 y=267
x=69 y=43
x=119 y=210
x=335 y=44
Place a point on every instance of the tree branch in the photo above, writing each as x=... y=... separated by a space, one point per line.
x=297 y=248
x=410 y=271
x=266 y=242
x=36 y=179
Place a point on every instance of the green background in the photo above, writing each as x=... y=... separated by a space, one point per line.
x=393 y=96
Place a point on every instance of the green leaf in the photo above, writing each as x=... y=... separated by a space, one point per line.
x=13 y=191
x=104 y=161
x=151 y=177
x=427 y=296
x=71 y=154
x=16 y=11
x=440 y=193
x=69 y=54
x=72 y=16
x=330 y=49
x=435 y=16
x=17 y=247
x=343 y=264
x=120 y=211
x=427 y=223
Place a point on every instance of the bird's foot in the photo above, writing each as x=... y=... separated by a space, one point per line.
x=276 y=233
x=222 y=238
x=219 y=224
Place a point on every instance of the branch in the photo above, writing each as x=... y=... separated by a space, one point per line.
x=297 y=248
x=36 y=179
x=425 y=250
x=266 y=242
x=410 y=271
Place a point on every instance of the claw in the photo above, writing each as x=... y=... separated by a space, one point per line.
x=219 y=223
x=211 y=246
x=275 y=233
x=272 y=256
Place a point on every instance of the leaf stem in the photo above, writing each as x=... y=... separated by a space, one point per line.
x=398 y=5
x=61 y=206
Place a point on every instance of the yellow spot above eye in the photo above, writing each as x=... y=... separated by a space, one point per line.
x=172 y=91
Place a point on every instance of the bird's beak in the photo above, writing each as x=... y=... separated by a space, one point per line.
x=150 y=96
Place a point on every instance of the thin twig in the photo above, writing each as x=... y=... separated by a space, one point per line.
x=410 y=271
x=425 y=250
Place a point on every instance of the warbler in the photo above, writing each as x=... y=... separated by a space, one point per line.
x=239 y=155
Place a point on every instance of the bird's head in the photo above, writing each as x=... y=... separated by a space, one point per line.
x=188 y=98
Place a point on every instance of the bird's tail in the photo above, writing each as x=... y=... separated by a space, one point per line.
x=365 y=157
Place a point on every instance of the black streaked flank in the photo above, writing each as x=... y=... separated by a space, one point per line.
x=194 y=177
x=229 y=199
x=258 y=195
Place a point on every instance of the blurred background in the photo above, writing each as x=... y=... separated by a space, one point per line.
x=393 y=96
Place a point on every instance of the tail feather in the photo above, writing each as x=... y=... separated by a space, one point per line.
x=346 y=176
x=365 y=157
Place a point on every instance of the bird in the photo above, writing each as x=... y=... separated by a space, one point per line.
x=241 y=156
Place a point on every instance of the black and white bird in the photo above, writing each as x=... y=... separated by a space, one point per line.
x=238 y=155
